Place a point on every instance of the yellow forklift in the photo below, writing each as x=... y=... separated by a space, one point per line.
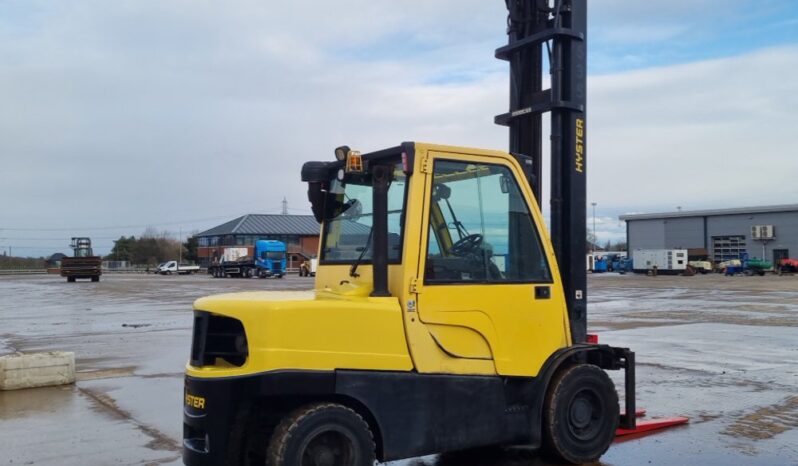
x=444 y=315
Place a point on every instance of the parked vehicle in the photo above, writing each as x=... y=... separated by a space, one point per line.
x=622 y=265
x=664 y=261
x=168 y=268
x=749 y=267
x=83 y=263
x=615 y=261
x=600 y=264
x=787 y=266
x=702 y=267
x=269 y=261
x=270 y=258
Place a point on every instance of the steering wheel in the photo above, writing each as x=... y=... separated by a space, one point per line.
x=466 y=245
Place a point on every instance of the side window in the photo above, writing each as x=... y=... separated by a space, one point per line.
x=348 y=230
x=480 y=228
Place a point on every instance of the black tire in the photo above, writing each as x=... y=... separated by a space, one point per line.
x=95 y=279
x=321 y=434
x=70 y=279
x=580 y=415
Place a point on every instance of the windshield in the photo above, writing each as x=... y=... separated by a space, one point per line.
x=274 y=255
x=348 y=222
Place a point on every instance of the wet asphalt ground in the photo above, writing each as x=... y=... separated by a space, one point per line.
x=721 y=350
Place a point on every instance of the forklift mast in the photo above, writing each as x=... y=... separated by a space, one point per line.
x=81 y=247
x=557 y=28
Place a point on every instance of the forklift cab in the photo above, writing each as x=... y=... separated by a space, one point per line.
x=465 y=253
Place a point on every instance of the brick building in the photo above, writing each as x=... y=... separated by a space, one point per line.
x=300 y=233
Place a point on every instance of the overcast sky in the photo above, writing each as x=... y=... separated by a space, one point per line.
x=179 y=115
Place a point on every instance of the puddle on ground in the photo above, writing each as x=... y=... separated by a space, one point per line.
x=766 y=422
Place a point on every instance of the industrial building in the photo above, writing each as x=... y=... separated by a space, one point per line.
x=300 y=233
x=767 y=232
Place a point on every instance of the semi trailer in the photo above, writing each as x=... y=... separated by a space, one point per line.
x=268 y=260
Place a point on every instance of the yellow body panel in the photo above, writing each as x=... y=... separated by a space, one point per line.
x=456 y=329
x=320 y=330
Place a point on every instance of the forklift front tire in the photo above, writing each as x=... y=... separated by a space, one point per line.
x=321 y=434
x=580 y=415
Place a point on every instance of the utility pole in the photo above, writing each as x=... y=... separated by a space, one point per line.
x=180 y=247
x=595 y=238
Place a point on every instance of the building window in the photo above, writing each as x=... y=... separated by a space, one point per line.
x=726 y=248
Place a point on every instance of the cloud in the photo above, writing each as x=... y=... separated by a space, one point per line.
x=714 y=133
x=143 y=113
x=632 y=35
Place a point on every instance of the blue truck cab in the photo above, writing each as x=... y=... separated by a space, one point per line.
x=270 y=258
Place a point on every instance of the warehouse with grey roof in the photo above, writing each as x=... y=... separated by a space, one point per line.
x=766 y=232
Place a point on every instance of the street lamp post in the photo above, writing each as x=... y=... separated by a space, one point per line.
x=593 y=245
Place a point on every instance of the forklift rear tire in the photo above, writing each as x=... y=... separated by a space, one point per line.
x=580 y=415
x=321 y=434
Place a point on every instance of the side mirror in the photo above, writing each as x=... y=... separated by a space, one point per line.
x=317 y=176
x=352 y=209
x=504 y=183
x=441 y=191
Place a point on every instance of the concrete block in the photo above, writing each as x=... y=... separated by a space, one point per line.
x=36 y=370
